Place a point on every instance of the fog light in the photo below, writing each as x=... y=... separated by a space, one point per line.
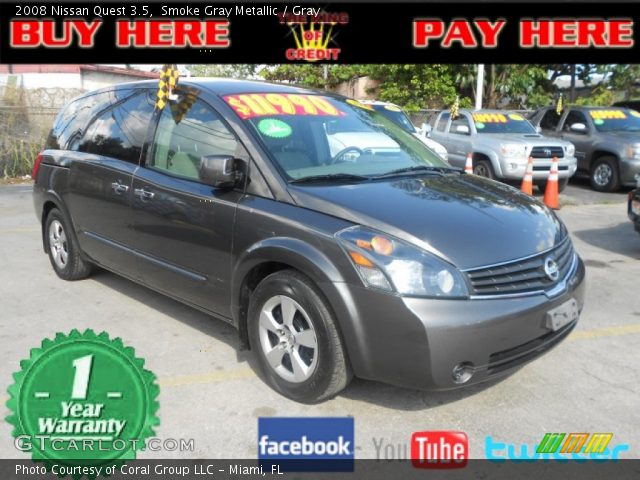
x=462 y=372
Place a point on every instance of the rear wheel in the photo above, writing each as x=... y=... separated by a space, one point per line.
x=294 y=336
x=63 y=252
x=604 y=174
x=483 y=168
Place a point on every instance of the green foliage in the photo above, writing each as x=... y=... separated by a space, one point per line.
x=240 y=70
x=600 y=97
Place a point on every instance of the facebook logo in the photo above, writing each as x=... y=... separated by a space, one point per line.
x=317 y=444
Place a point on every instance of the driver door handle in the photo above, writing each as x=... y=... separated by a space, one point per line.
x=119 y=188
x=143 y=194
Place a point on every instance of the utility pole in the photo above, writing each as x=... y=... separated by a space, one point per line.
x=479 y=86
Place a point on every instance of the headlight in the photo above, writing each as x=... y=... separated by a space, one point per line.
x=513 y=150
x=390 y=264
x=633 y=151
x=570 y=149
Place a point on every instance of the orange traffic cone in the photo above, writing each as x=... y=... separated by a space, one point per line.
x=468 y=166
x=527 y=181
x=551 y=199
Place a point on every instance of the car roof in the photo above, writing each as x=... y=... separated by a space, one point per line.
x=228 y=86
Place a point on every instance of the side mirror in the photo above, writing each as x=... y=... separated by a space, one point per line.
x=221 y=171
x=425 y=129
x=463 y=129
x=578 y=128
x=539 y=129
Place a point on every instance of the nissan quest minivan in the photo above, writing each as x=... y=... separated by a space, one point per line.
x=378 y=260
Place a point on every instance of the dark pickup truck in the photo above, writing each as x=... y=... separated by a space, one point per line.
x=607 y=141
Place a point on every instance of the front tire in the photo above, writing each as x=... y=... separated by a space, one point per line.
x=604 y=174
x=63 y=251
x=294 y=337
x=483 y=168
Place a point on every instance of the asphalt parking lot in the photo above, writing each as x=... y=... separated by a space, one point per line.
x=210 y=393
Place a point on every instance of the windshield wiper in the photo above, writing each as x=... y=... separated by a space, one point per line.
x=418 y=169
x=331 y=177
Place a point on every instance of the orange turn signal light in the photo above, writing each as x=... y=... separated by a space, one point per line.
x=360 y=259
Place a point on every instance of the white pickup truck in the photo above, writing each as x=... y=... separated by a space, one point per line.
x=501 y=143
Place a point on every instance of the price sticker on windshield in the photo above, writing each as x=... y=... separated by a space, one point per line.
x=269 y=104
x=607 y=114
x=489 y=118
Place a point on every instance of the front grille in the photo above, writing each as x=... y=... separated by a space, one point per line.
x=522 y=276
x=547 y=152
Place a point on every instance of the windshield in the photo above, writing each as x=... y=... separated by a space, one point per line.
x=616 y=120
x=315 y=135
x=397 y=115
x=502 y=123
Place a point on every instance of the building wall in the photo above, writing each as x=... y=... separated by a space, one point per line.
x=362 y=88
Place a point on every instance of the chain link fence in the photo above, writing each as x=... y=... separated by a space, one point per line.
x=26 y=116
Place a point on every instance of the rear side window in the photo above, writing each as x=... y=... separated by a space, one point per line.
x=71 y=123
x=442 y=122
x=189 y=129
x=119 y=131
x=550 y=120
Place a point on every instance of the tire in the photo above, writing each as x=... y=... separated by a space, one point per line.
x=562 y=185
x=483 y=168
x=62 y=248
x=604 y=175
x=308 y=373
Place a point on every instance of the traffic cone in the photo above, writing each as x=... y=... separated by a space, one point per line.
x=551 y=199
x=468 y=166
x=527 y=181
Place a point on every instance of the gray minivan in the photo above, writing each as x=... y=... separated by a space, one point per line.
x=382 y=262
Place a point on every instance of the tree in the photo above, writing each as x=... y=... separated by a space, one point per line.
x=240 y=70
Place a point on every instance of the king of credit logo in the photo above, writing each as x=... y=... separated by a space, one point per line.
x=314 y=35
x=306 y=444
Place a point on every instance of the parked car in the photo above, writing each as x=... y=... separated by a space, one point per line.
x=396 y=114
x=329 y=264
x=633 y=206
x=632 y=104
x=607 y=141
x=501 y=144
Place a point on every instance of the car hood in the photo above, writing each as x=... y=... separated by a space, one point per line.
x=529 y=138
x=468 y=220
x=432 y=144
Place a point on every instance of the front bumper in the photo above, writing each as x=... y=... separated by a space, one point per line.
x=629 y=168
x=512 y=170
x=417 y=342
x=634 y=215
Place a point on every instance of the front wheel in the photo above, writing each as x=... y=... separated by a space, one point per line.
x=294 y=336
x=483 y=168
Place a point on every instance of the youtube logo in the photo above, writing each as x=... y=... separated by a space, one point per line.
x=439 y=449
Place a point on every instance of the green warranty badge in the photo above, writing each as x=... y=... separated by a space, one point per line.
x=83 y=400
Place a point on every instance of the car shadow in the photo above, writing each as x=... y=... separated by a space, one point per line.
x=375 y=393
x=406 y=399
x=627 y=240
x=209 y=325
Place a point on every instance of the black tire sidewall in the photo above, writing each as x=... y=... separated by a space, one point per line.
x=488 y=167
x=301 y=290
x=74 y=262
x=613 y=184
